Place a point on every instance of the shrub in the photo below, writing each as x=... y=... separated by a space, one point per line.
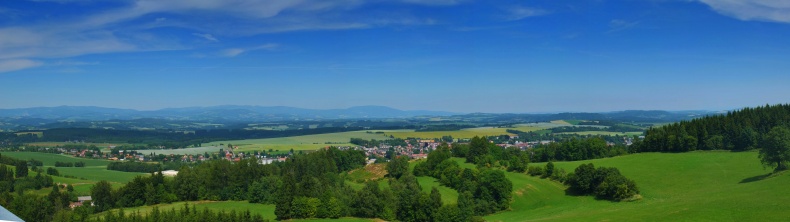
x=535 y=171
x=603 y=182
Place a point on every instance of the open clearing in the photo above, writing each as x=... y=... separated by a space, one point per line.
x=308 y=142
x=696 y=186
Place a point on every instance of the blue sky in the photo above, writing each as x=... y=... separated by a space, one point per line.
x=449 y=55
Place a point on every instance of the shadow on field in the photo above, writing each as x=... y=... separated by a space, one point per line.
x=756 y=178
x=573 y=192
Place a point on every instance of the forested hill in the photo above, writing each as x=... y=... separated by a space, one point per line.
x=737 y=130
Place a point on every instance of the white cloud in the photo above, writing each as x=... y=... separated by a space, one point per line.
x=753 y=10
x=233 y=52
x=17 y=64
x=206 y=36
x=521 y=12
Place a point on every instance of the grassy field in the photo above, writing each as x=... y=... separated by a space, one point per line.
x=38 y=134
x=449 y=195
x=697 y=186
x=309 y=142
x=265 y=210
x=604 y=133
x=196 y=150
x=54 y=144
x=468 y=132
x=94 y=170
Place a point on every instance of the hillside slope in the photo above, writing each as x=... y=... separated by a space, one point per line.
x=695 y=186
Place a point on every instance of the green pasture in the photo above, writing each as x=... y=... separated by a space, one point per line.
x=55 y=144
x=37 y=133
x=696 y=186
x=468 y=132
x=195 y=150
x=308 y=142
x=265 y=210
x=94 y=170
x=49 y=159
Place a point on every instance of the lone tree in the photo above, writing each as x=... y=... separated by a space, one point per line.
x=398 y=166
x=776 y=148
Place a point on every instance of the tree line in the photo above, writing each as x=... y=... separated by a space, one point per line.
x=737 y=130
x=160 y=138
x=134 y=166
x=69 y=164
x=574 y=149
x=746 y=129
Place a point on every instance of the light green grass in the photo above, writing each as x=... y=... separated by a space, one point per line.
x=38 y=133
x=464 y=133
x=697 y=186
x=449 y=195
x=94 y=170
x=49 y=159
x=607 y=133
x=265 y=210
x=308 y=142
x=573 y=121
x=99 y=174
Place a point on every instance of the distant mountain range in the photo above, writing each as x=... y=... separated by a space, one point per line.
x=294 y=118
x=213 y=113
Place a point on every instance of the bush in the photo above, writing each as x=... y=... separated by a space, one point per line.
x=535 y=171
x=559 y=175
x=603 y=182
x=421 y=169
x=548 y=170
x=305 y=207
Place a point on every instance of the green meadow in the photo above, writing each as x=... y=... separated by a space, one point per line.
x=195 y=150
x=265 y=210
x=308 y=142
x=94 y=170
x=468 y=132
x=696 y=186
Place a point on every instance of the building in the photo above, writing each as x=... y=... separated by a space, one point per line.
x=80 y=201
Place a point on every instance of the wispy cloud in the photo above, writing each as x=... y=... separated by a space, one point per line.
x=233 y=52
x=17 y=64
x=617 y=25
x=133 y=25
x=206 y=36
x=521 y=12
x=434 y=2
x=752 y=10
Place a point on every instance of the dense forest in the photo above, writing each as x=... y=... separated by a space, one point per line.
x=738 y=131
x=166 y=139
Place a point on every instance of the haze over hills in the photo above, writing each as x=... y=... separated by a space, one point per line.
x=214 y=113
x=247 y=114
